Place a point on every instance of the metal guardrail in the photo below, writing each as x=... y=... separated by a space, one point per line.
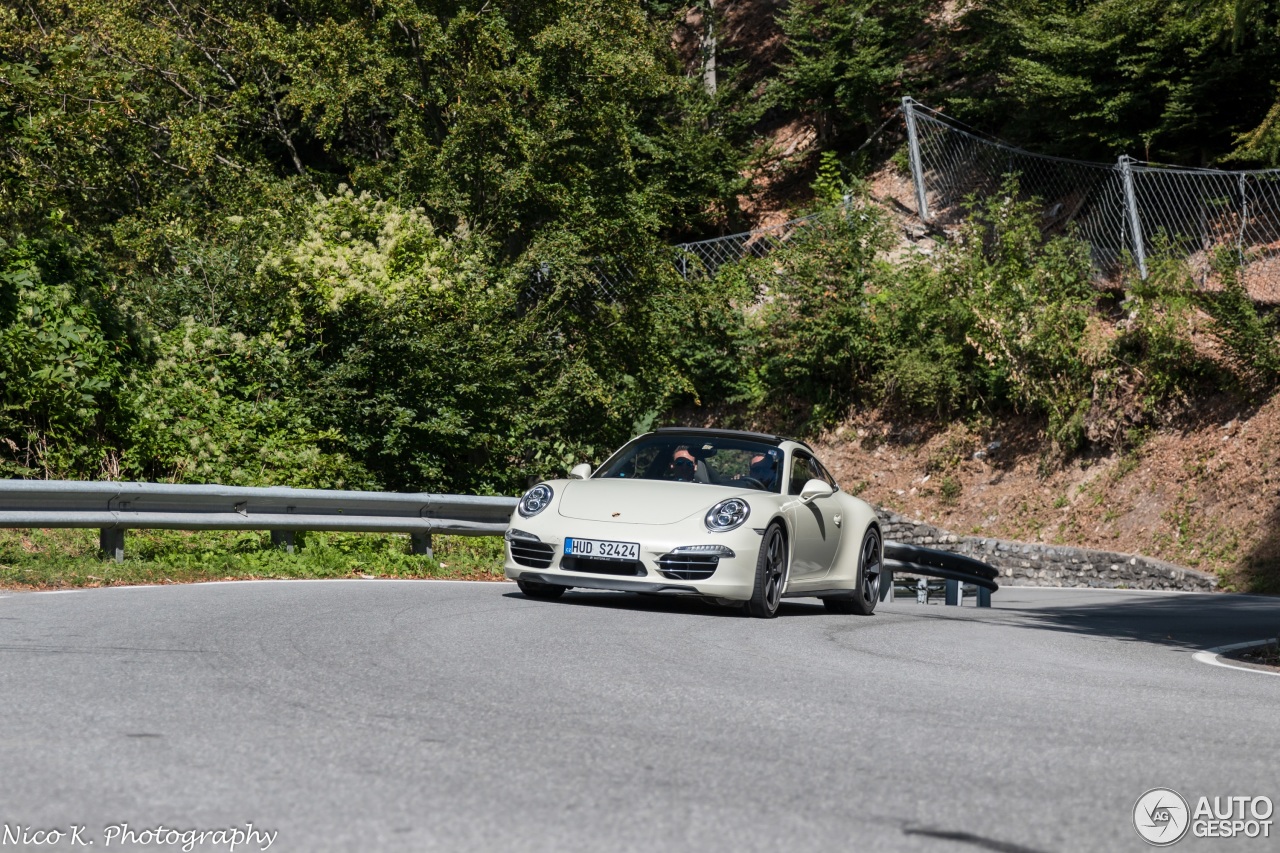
x=114 y=508
x=955 y=569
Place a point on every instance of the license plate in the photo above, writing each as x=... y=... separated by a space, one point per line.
x=602 y=548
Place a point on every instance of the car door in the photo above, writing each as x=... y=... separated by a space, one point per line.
x=816 y=525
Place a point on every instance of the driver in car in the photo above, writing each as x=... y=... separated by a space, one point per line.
x=683 y=466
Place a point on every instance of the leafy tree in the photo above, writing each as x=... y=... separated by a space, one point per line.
x=1163 y=81
x=843 y=58
x=518 y=119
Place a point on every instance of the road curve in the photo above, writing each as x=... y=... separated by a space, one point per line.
x=416 y=716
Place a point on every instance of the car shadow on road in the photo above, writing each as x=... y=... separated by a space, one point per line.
x=1183 y=621
x=657 y=603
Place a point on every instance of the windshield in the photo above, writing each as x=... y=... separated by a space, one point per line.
x=716 y=461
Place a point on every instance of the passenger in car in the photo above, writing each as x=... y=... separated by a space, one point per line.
x=765 y=469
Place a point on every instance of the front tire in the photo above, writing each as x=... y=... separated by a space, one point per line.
x=533 y=589
x=771 y=574
x=870 y=570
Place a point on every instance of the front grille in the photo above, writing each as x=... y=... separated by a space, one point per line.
x=688 y=567
x=535 y=555
x=598 y=566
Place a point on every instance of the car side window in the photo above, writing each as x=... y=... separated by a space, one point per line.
x=799 y=472
x=818 y=472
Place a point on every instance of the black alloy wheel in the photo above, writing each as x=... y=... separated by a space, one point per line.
x=870 y=570
x=771 y=574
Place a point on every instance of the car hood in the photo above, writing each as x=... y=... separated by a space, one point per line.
x=642 y=501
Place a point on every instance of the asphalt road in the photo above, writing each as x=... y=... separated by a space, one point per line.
x=416 y=716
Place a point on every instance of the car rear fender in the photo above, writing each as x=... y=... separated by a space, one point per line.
x=859 y=517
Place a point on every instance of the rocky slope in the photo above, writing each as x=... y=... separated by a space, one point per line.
x=1204 y=493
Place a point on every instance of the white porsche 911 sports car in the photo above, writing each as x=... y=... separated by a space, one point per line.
x=731 y=516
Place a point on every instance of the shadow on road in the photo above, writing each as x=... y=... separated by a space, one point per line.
x=655 y=603
x=1183 y=621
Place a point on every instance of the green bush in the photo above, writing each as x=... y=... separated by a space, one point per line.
x=1029 y=300
x=1250 y=339
x=1153 y=352
x=927 y=366
x=59 y=363
x=815 y=337
x=219 y=407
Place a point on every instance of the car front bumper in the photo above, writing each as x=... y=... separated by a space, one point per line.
x=733 y=577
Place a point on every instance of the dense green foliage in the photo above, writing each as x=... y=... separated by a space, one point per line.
x=1176 y=82
x=193 y=291
x=1001 y=318
x=424 y=244
x=843 y=59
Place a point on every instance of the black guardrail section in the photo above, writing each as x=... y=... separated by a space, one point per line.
x=913 y=559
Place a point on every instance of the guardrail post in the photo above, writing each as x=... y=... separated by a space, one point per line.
x=282 y=539
x=954 y=593
x=111 y=543
x=886 y=584
x=422 y=543
x=984 y=597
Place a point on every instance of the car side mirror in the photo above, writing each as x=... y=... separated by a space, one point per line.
x=580 y=472
x=815 y=488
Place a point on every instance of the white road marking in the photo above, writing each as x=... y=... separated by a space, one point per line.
x=1213 y=657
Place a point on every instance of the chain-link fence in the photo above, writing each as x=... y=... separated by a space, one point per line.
x=707 y=256
x=1128 y=212
x=699 y=259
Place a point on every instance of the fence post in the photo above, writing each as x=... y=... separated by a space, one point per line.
x=111 y=543
x=1131 y=210
x=913 y=145
x=1242 y=182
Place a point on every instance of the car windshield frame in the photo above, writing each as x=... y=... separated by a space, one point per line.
x=664 y=448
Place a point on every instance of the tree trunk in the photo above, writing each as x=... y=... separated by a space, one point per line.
x=709 y=48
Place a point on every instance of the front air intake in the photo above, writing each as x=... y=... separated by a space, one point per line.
x=598 y=566
x=688 y=567
x=535 y=555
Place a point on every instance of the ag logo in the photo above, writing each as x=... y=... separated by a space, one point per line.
x=1161 y=817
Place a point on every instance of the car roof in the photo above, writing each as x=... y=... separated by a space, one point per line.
x=731 y=433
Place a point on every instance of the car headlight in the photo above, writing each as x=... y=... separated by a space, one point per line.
x=727 y=515
x=535 y=500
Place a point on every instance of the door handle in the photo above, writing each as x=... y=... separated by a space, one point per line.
x=837 y=519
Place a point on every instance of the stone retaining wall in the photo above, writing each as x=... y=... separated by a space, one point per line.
x=1039 y=564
